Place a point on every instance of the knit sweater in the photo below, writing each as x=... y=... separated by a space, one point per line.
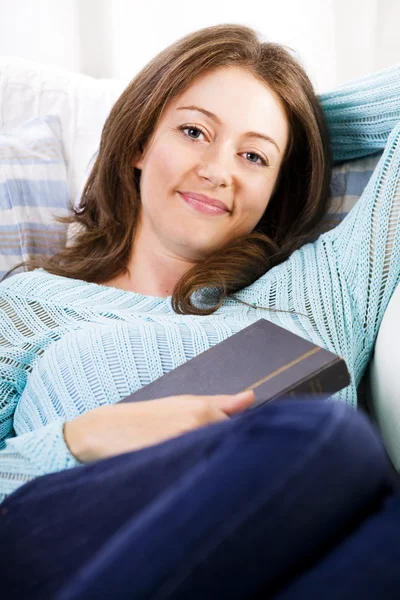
x=68 y=346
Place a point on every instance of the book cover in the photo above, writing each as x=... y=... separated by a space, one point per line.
x=265 y=357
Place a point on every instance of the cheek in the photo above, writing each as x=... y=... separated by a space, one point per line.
x=167 y=165
x=158 y=174
x=260 y=198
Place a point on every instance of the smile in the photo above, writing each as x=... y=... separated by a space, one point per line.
x=203 y=207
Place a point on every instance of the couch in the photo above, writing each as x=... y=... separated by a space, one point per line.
x=82 y=103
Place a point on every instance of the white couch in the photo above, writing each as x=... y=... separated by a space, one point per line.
x=82 y=104
x=383 y=379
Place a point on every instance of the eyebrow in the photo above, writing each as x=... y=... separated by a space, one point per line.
x=214 y=117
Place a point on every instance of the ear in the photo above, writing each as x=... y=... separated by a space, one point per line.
x=138 y=161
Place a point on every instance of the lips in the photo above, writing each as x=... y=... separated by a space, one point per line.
x=206 y=200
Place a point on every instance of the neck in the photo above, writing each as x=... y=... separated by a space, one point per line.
x=151 y=271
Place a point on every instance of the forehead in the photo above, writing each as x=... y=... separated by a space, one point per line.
x=230 y=78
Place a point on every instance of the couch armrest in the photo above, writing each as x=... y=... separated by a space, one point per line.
x=383 y=388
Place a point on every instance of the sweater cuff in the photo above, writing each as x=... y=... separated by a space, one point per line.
x=47 y=450
x=33 y=454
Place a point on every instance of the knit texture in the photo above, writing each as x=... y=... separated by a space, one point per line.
x=67 y=346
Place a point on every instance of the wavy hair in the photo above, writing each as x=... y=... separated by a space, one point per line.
x=106 y=217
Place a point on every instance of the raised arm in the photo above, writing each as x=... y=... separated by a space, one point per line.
x=367 y=241
x=362 y=113
x=364 y=117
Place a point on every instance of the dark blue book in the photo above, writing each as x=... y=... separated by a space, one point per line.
x=265 y=357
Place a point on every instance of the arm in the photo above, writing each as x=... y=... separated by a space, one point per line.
x=367 y=241
x=361 y=114
x=44 y=420
x=364 y=250
x=32 y=454
x=35 y=452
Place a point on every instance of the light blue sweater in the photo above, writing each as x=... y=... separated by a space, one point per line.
x=67 y=346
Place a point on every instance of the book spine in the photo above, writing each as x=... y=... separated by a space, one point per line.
x=325 y=382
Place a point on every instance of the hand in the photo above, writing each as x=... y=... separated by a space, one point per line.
x=110 y=430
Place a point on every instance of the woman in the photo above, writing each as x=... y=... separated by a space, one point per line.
x=151 y=280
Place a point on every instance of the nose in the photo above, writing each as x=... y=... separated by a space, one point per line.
x=217 y=166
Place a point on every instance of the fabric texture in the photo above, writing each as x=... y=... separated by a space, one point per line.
x=349 y=180
x=194 y=517
x=33 y=191
x=82 y=104
x=68 y=346
x=384 y=372
x=357 y=127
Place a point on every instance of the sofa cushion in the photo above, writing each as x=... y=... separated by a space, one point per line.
x=33 y=190
x=384 y=380
x=348 y=182
x=82 y=103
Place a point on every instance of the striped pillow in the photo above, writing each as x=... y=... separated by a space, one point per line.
x=33 y=190
x=348 y=182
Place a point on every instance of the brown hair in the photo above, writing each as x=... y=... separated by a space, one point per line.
x=107 y=214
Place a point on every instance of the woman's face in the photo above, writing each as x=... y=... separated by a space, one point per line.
x=208 y=150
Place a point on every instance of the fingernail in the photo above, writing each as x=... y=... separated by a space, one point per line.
x=245 y=393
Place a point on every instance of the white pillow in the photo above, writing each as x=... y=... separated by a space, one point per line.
x=82 y=103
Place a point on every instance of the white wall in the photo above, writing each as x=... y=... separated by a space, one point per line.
x=336 y=40
x=41 y=30
x=306 y=27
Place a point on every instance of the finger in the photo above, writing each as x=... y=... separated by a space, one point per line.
x=236 y=403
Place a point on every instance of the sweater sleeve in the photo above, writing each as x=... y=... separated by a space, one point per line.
x=362 y=113
x=367 y=242
x=42 y=450
x=364 y=118
x=32 y=454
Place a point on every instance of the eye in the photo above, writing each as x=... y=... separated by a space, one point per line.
x=192 y=128
x=258 y=156
x=182 y=128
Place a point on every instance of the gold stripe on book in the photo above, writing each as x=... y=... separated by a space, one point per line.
x=281 y=369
